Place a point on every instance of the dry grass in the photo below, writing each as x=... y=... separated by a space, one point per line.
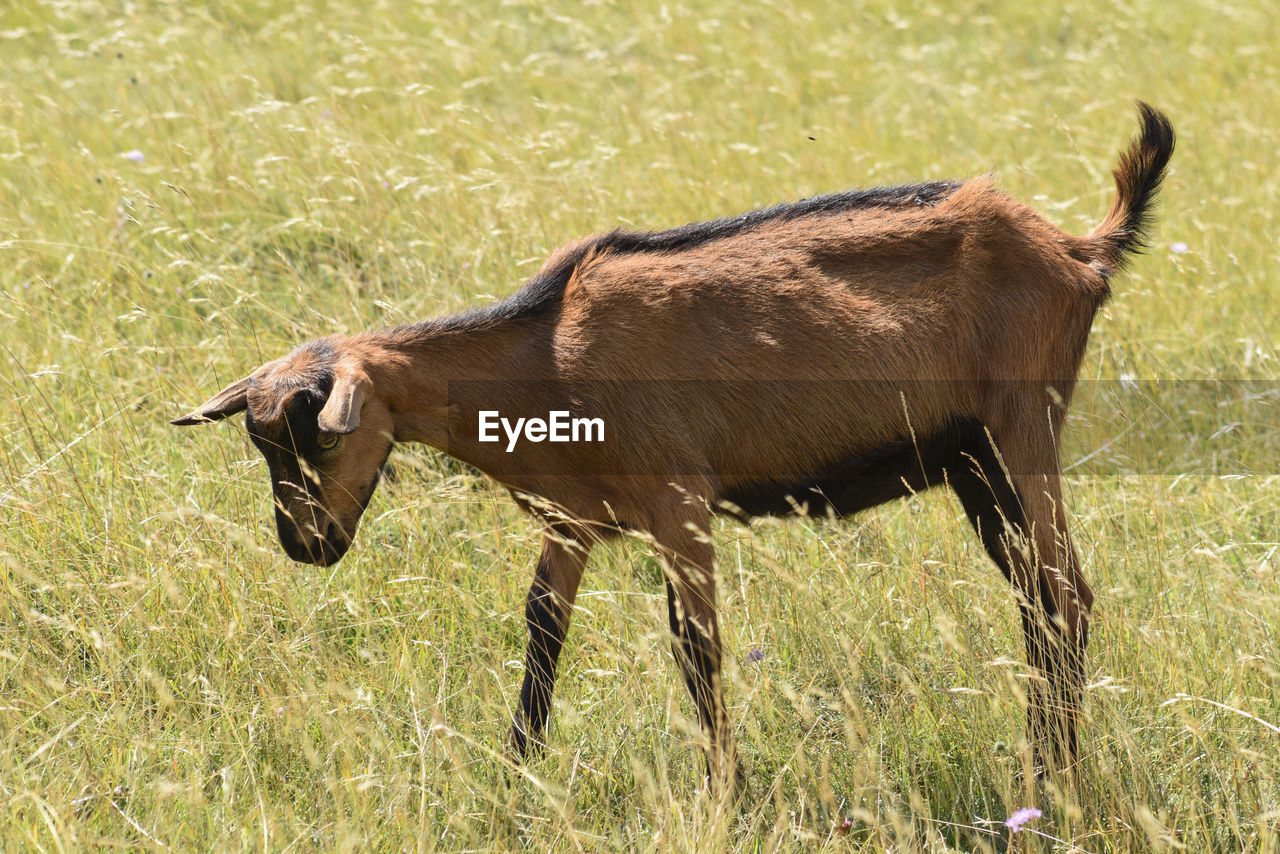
x=168 y=680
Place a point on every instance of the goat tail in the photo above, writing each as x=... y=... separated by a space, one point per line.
x=1138 y=176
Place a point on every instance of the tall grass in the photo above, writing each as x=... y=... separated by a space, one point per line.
x=186 y=192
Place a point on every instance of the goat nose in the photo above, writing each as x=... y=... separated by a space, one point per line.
x=332 y=544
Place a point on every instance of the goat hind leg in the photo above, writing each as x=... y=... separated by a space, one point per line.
x=1055 y=617
x=1013 y=500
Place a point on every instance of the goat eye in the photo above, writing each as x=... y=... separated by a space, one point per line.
x=327 y=441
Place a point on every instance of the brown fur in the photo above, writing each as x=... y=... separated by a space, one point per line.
x=864 y=346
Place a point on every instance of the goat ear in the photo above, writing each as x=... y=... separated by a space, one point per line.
x=229 y=401
x=341 y=413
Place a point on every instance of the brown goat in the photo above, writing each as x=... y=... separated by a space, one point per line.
x=823 y=356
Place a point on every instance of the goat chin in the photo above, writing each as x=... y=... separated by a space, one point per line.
x=315 y=551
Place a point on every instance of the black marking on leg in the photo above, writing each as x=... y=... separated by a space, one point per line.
x=990 y=501
x=547 y=621
x=995 y=511
x=699 y=664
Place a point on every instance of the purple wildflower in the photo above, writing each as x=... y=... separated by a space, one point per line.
x=1021 y=817
x=135 y=155
x=756 y=654
x=1179 y=248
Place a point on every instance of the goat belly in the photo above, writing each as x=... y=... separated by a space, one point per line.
x=861 y=480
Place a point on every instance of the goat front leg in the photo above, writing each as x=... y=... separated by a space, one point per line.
x=548 y=611
x=686 y=549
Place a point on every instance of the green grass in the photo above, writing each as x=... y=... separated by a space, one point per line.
x=168 y=680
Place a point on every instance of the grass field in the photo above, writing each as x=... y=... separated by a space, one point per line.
x=187 y=191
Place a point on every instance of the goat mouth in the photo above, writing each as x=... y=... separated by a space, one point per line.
x=316 y=552
x=324 y=550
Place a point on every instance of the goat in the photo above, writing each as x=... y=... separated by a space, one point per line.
x=822 y=356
